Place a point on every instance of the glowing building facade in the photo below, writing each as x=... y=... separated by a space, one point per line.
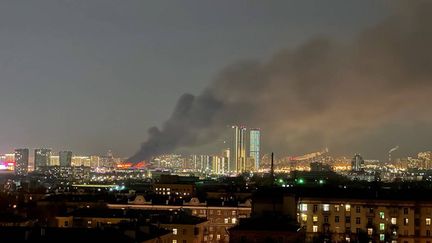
x=227 y=156
x=81 y=161
x=239 y=151
x=254 y=146
x=54 y=160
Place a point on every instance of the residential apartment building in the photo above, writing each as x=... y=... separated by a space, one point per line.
x=349 y=220
x=185 y=228
x=220 y=217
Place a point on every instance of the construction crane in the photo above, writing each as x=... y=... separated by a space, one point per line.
x=310 y=156
x=390 y=153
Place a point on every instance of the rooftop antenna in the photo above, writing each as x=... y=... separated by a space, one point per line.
x=272 y=168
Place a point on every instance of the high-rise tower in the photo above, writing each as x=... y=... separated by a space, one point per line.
x=227 y=156
x=239 y=151
x=65 y=158
x=357 y=163
x=21 y=161
x=254 y=146
x=42 y=158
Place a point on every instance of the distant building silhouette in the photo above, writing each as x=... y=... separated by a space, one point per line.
x=357 y=163
x=21 y=161
x=65 y=158
x=42 y=158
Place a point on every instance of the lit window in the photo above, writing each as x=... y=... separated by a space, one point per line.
x=315 y=228
x=226 y=220
x=303 y=207
x=174 y=231
x=234 y=220
x=337 y=208
x=326 y=207
x=233 y=213
x=382 y=237
x=393 y=220
x=405 y=221
x=218 y=237
x=347 y=207
x=370 y=231
x=428 y=221
x=304 y=217
x=381 y=214
x=174 y=241
x=382 y=226
x=315 y=218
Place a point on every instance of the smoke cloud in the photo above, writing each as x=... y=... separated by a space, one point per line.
x=322 y=93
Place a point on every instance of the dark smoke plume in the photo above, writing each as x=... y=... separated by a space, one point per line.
x=321 y=93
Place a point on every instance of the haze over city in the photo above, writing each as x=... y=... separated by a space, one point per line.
x=90 y=76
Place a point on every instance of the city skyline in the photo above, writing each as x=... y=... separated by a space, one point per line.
x=248 y=152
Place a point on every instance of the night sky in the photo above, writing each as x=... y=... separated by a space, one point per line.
x=96 y=75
